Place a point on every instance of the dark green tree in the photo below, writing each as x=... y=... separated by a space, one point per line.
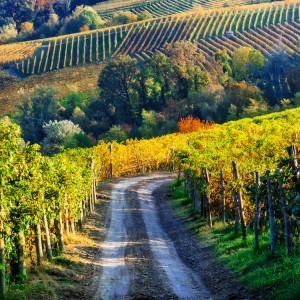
x=274 y=77
x=36 y=110
x=118 y=90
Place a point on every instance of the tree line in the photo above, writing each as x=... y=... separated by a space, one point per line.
x=149 y=99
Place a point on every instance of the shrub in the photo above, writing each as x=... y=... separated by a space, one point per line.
x=8 y=32
x=191 y=124
x=82 y=19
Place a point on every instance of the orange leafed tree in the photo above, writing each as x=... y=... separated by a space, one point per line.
x=191 y=124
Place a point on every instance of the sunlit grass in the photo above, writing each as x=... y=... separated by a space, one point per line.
x=277 y=277
x=64 y=273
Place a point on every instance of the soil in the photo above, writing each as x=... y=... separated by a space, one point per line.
x=145 y=251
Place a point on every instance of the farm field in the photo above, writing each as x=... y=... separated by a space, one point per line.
x=262 y=27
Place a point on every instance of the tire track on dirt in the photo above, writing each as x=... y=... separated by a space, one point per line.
x=149 y=253
x=183 y=281
x=115 y=278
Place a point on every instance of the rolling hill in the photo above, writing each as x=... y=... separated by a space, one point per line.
x=263 y=27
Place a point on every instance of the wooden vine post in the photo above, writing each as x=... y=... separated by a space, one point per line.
x=222 y=185
x=239 y=200
x=185 y=182
x=38 y=244
x=257 y=210
x=47 y=234
x=292 y=151
x=20 y=264
x=285 y=215
x=110 y=161
x=94 y=195
x=207 y=196
x=271 y=214
x=59 y=228
x=2 y=260
x=196 y=195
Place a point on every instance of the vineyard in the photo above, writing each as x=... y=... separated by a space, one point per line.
x=12 y=52
x=160 y=8
x=45 y=198
x=263 y=27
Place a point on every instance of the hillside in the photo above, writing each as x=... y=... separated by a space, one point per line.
x=69 y=80
x=262 y=27
x=269 y=28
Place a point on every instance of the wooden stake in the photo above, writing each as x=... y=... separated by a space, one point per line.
x=48 y=240
x=285 y=216
x=222 y=184
x=240 y=200
x=207 y=195
x=38 y=244
x=257 y=210
x=271 y=215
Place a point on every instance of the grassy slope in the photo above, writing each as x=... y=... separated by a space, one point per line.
x=276 y=277
x=79 y=79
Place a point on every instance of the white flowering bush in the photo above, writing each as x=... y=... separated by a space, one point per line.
x=58 y=134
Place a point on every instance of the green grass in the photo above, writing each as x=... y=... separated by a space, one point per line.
x=275 y=277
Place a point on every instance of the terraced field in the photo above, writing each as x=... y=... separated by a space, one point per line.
x=263 y=27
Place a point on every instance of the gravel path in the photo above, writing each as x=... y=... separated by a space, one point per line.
x=149 y=254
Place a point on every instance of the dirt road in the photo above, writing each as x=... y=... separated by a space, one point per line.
x=149 y=254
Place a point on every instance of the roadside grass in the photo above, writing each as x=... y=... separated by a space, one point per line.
x=58 y=278
x=275 y=277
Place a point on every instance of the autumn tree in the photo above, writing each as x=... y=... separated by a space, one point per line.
x=26 y=27
x=191 y=124
x=123 y=17
x=186 y=59
x=242 y=97
x=247 y=63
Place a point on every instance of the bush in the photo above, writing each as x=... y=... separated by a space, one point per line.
x=82 y=19
x=123 y=17
x=59 y=135
x=144 y=15
x=116 y=133
x=8 y=32
x=191 y=124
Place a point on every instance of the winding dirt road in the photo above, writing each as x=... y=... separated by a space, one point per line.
x=149 y=254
